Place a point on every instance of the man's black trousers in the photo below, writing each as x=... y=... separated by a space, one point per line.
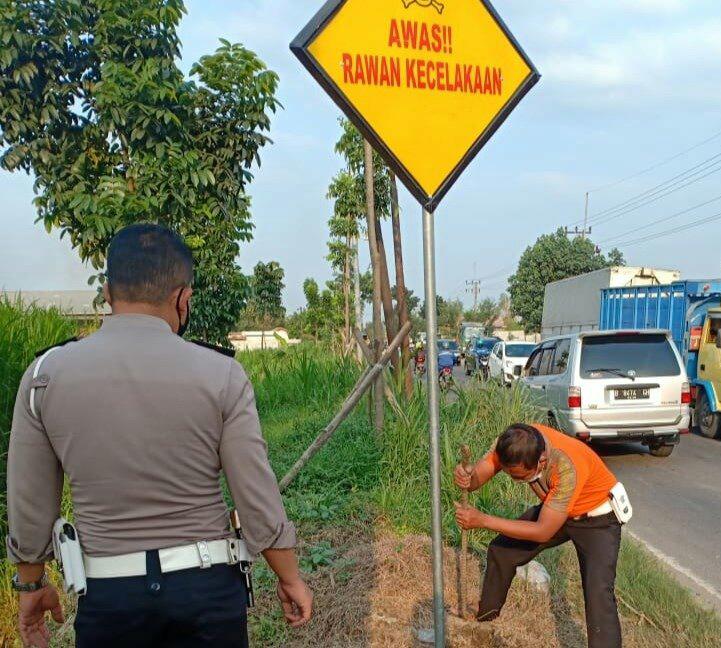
x=597 y=541
x=193 y=607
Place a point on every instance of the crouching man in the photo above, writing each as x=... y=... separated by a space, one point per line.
x=574 y=486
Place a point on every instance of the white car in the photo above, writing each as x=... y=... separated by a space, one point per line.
x=508 y=360
x=613 y=386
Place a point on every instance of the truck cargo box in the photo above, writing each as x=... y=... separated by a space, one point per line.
x=677 y=307
x=573 y=304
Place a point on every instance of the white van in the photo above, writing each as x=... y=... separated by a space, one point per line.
x=508 y=360
x=613 y=386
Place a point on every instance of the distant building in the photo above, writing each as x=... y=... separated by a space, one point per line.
x=255 y=340
x=77 y=304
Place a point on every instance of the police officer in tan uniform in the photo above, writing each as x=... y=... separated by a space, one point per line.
x=143 y=422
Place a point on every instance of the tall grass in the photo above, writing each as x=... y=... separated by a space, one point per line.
x=24 y=330
x=475 y=417
x=305 y=375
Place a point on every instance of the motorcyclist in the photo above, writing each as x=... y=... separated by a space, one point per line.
x=446 y=360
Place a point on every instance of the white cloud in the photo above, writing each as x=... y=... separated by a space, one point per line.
x=682 y=66
x=650 y=5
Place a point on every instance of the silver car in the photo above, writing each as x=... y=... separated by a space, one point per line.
x=613 y=386
x=508 y=359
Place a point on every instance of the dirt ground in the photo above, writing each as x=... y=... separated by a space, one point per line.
x=387 y=600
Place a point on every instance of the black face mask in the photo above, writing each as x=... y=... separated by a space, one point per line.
x=182 y=326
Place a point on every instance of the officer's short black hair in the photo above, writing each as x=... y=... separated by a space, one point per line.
x=520 y=445
x=146 y=263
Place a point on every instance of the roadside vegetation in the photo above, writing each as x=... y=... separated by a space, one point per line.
x=24 y=330
x=362 y=485
x=367 y=490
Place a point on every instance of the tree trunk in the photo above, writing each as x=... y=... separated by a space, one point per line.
x=386 y=295
x=357 y=293
x=378 y=400
x=404 y=374
x=346 y=294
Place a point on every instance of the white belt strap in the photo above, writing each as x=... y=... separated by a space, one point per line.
x=36 y=372
x=202 y=555
x=604 y=509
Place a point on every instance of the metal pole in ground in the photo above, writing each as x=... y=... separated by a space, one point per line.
x=429 y=267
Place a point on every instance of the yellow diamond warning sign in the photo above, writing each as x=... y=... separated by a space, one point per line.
x=428 y=82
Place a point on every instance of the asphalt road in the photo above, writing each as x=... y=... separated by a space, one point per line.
x=677 y=506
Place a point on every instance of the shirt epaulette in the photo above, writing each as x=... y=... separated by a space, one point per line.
x=218 y=349
x=53 y=346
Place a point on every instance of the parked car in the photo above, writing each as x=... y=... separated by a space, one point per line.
x=508 y=360
x=452 y=346
x=478 y=353
x=613 y=386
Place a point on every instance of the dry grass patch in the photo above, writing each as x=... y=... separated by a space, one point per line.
x=378 y=593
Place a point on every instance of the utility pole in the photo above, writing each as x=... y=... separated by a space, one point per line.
x=578 y=232
x=474 y=287
x=586 y=231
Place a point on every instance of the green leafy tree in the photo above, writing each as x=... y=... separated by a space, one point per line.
x=264 y=309
x=449 y=313
x=93 y=104
x=412 y=300
x=616 y=258
x=551 y=258
x=322 y=317
x=345 y=227
x=350 y=146
x=486 y=312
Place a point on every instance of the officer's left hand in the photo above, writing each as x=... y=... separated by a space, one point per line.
x=297 y=602
x=468 y=517
x=31 y=618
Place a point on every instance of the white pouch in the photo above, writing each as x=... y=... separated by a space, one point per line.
x=69 y=557
x=620 y=503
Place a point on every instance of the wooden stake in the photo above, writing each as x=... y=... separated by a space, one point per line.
x=463 y=585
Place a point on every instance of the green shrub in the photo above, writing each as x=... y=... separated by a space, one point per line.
x=24 y=330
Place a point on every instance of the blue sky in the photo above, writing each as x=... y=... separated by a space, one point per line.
x=626 y=84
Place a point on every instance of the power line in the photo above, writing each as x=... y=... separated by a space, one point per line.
x=645 y=203
x=656 y=166
x=675 y=230
x=695 y=170
x=660 y=220
x=499 y=272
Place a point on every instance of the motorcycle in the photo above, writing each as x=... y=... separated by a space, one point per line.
x=445 y=378
x=420 y=364
x=484 y=368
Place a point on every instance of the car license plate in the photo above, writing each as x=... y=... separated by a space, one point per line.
x=632 y=393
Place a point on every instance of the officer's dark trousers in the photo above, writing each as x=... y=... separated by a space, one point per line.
x=597 y=542
x=194 y=607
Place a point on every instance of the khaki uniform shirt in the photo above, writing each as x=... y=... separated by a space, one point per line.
x=141 y=422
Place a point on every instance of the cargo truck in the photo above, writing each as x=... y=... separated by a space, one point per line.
x=691 y=311
x=571 y=305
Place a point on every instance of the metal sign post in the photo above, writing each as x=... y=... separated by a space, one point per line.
x=427 y=83
x=434 y=425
